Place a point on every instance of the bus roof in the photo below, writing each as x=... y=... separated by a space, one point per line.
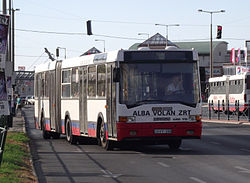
x=91 y=59
x=50 y=65
x=233 y=77
x=215 y=79
x=112 y=56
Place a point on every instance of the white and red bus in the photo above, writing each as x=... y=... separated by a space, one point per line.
x=229 y=91
x=120 y=96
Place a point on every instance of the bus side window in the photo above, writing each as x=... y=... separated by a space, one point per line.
x=92 y=81
x=66 y=83
x=74 y=83
x=101 y=80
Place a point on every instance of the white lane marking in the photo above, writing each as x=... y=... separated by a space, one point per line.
x=242 y=169
x=163 y=164
x=197 y=180
x=109 y=174
x=78 y=149
x=246 y=150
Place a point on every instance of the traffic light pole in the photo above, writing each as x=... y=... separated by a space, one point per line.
x=211 y=38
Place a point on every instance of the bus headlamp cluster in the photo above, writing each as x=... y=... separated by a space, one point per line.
x=126 y=118
x=195 y=117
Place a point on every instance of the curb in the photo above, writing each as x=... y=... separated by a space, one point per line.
x=226 y=121
x=25 y=126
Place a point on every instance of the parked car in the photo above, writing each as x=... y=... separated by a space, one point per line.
x=30 y=100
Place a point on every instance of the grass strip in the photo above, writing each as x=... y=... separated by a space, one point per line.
x=16 y=166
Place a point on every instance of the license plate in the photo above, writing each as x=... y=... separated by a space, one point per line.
x=163 y=131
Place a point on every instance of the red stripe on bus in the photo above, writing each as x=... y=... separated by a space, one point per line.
x=47 y=126
x=76 y=131
x=92 y=132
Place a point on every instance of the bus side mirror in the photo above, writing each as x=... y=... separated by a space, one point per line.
x=116 y=75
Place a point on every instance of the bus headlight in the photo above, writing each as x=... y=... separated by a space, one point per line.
x=195 y=117
x=126 y=118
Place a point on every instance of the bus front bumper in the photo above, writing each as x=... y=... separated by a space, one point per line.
x=138 y=131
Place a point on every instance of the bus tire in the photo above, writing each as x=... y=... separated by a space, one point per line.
x=103 y=141
x=174 y=144
x=46 y=134
x=72 y=139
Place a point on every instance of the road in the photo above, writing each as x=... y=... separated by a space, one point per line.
x=221 y=156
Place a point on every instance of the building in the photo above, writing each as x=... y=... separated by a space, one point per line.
x=203 y=48
x=24 y=83
x=93 y=50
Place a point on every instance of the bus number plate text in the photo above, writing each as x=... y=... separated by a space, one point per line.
x=163 y=131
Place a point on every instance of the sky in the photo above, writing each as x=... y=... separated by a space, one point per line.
x=122 y=20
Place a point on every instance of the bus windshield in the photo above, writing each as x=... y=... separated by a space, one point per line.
x=147 y=83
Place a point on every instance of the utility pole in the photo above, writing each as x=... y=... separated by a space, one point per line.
x=10 y=37
x=13 y=35
x=4 y=7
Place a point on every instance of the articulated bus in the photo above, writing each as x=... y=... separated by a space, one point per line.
x=120 y=96
x=229 y=91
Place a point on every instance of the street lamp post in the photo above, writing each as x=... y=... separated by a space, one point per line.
x=167 y=25
x=144 y=34
x=103 y=43
x=211 y=37
x=13 y=36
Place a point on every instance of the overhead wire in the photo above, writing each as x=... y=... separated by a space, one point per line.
x=36 y=60
x=76 y=33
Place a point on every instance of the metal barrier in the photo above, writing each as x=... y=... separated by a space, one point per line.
x=5 y=123
x=3 y=135
x=221 y=111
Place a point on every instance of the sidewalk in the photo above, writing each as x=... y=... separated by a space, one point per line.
x=18 y=123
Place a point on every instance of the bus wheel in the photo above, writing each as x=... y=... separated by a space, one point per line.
x=104 y=142
x=174 y=144
x=69 y=137
x=46 y=134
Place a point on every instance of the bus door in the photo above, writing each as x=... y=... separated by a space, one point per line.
x=39 y=94
x=57 y=86
x=83 y=100
x=111 y=102
x=52 y=99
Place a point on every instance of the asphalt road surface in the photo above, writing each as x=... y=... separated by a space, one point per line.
x=221 y=156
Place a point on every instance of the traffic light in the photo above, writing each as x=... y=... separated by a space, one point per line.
x=219 y=32
x=89 y=31
x=57 y=52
